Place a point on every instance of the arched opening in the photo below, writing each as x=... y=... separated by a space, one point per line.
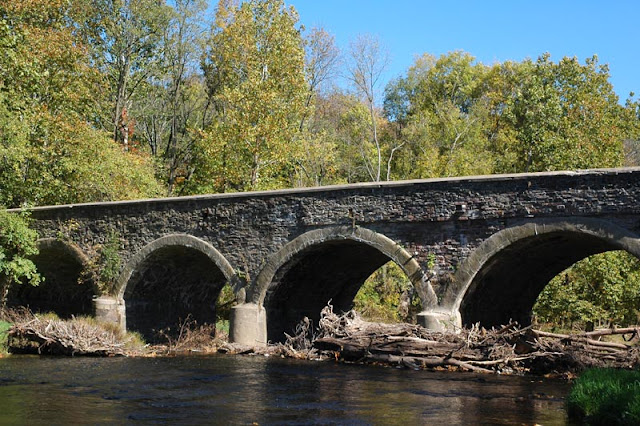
x=63 y=291
x=600 y=291
x=327 y=265
x=388 y=296
x=514 y=266
x=171 y=280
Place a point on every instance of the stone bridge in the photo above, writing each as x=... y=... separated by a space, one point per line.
x=477 y=249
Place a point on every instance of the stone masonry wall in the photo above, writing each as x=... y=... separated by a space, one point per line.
x=441 y=220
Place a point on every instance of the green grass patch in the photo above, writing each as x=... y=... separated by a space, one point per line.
x=4 y=328
x=222 y=326
x=606 y=396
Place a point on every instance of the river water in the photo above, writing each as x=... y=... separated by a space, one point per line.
x=261 y=390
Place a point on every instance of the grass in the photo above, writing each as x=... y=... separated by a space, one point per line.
x=4 y=327
x=222 y=326
x=606 y=397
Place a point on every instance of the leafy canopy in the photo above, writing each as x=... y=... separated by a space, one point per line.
x=17 y=245
x=50 y=152
x=255 y=73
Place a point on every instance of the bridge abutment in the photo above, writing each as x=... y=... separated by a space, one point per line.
x=248 y=325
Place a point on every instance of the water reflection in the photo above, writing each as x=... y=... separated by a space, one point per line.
x=243 y=390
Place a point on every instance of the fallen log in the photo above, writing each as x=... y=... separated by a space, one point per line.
x=509 y=348
x=586 y=337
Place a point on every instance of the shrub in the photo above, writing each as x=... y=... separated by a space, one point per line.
x=4 y=328
x=606 y=396
x=17 y=244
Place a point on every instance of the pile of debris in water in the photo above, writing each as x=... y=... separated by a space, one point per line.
x=84 y=336
x=347 y=337
x=508 y=349
x=48 y=334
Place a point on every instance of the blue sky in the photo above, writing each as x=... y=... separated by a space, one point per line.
x=492 y=31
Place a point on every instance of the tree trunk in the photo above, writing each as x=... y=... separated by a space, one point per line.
x=4 y=292
x=374 y=128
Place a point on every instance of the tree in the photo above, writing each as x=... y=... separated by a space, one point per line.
x=631 y=121
x=325 y=152
x=510 y=117
x=359 y=154
x=566 y=116
x=255 y=71
x=17 y=244
x=170 y=106
x=442 y=114
x=388 y=296
x=603 y=289
x=368 y=62
x=49 y=152
x=127 y=47
x=321 y=59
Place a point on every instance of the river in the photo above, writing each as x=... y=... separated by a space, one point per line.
x=257 y=389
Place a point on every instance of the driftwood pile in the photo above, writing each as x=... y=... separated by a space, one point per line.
x=191 y=337
x=48 y=335
x=41 y=335
x=509 y=349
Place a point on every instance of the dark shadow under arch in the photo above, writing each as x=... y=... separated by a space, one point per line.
x=503 y=278
x=173 y=277
x=322 y=265
x=63 y=290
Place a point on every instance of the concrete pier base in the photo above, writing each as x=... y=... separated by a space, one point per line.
x=439 y=321
x=110 y=309
x=248 y=325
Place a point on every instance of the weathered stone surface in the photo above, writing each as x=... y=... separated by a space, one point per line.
x=451 y=236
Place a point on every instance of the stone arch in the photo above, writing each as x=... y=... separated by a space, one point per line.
x=172 y=277
x=63 y=290
x=329 y=263
x=503 y=277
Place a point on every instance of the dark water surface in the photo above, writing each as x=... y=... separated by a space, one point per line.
x=244 y=390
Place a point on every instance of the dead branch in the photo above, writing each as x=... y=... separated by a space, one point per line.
x=508 y=348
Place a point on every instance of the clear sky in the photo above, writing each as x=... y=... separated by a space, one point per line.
x=492 y=31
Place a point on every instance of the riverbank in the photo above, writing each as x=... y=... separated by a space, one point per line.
x=606 y=397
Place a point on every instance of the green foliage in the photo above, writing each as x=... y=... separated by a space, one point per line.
x=387 y=296
x=222 y=326
x=226 y=300
x=126 y=47
x=603 y=289
x=606 y=396
x=565 y=116
x=51 y=153
x=17 y=244
x=459 y=117
x=444 y=115
x=4 y=328
x=105 y=263
x=255 y=73
x=109 y=260
x=67 y=161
